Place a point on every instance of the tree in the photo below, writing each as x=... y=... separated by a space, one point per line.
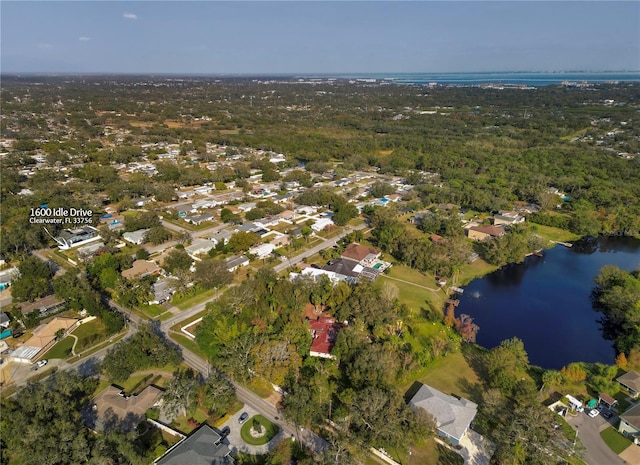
x=42 y=423
x=506 y=364
x=143 y=350
x=180 y=396
x=157 y=235
x=242 y=241
x=621 y=360
x=212 y=273
x=34 y=281
x=177 y=260
x=218 y=393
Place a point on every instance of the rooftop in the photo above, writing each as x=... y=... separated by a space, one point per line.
x=202 y=447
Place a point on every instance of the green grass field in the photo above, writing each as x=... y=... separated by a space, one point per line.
x=62 y=349
x=616 y=441
x=270 y=431
x=451 y=374
x=554 y=234
x=427 y=453
x=187 y=302
x=90 y=333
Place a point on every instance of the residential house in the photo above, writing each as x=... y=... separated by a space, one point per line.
x=453 y=415
x=630 y=423
x=507 y=218
x=482 y=233
x=235 y=262
x=199 y=246
x=42 y=339
x=324 y=331
x=322 y=223
x=135 y=237
x=45 y=305
x=221 y=236
x=4 y=320
x=203 y=447
x=199 y=219
x=141 y=269
x=112 y=407
x=631 y=382
x=162 y=290
x=262 y=250
x=245 y=207
x=90 y=250
x=361 y=253
x=7 y=276
x=607 y=400
x=69 y=238
x=393 y=197
x=351 y=269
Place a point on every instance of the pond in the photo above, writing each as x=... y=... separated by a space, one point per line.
x=546 y=303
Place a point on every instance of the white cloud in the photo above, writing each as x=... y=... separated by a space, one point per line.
x=84 y=39
x=129 y=16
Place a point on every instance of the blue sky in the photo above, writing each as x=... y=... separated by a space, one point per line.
x=295 y=37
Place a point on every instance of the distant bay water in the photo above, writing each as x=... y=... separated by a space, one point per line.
x=546 y=303
x=507 y=78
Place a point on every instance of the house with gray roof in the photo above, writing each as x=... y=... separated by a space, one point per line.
x=135 y=237
x=453 y=415
x=631 y=382
x=203 y=447
x=630 y=423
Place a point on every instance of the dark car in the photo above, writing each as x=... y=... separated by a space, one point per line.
x=607 y=414
x=243 y=417
x=224 y=432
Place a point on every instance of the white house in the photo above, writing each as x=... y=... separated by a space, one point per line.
x=262 y=250
x=135 y=237
x=321 y=223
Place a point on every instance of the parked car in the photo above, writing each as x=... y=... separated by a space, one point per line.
x=607 y=414
x=243 y=417
x=594 y=413
x=224 y=432
x=42 y=363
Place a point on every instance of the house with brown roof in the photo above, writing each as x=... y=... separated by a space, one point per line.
x=141 y=269
x=360 y=253
x=42 y=339
x=47 y=304
x=482 y=233
x=631 y=382
x=112 y=407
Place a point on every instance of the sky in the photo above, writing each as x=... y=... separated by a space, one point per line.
x=310 y=37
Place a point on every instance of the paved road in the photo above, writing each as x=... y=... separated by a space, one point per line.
x=314 y=250
x=269 y=411
x=588 y=430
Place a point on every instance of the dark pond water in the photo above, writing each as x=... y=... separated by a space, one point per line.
x=546 y=302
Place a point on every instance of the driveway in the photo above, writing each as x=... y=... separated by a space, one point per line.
x=476 y=450
x=588 y=430
x=234 y=440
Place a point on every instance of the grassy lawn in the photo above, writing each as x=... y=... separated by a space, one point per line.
x=427 y=453
x=451 y=374
x=188 y=344
x=200 y=296
x=261 y=387
x=62 y=349
x=90 y=333
x=412 y=286
x=153 y=311
x=616 y=441
x=623 y=403
x=270 y=431
x=554 y=234
x=474 y=270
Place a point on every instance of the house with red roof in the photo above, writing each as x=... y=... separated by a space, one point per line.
x=324 y=331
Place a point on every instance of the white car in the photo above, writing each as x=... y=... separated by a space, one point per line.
x=594 y=413
x=41 y=363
